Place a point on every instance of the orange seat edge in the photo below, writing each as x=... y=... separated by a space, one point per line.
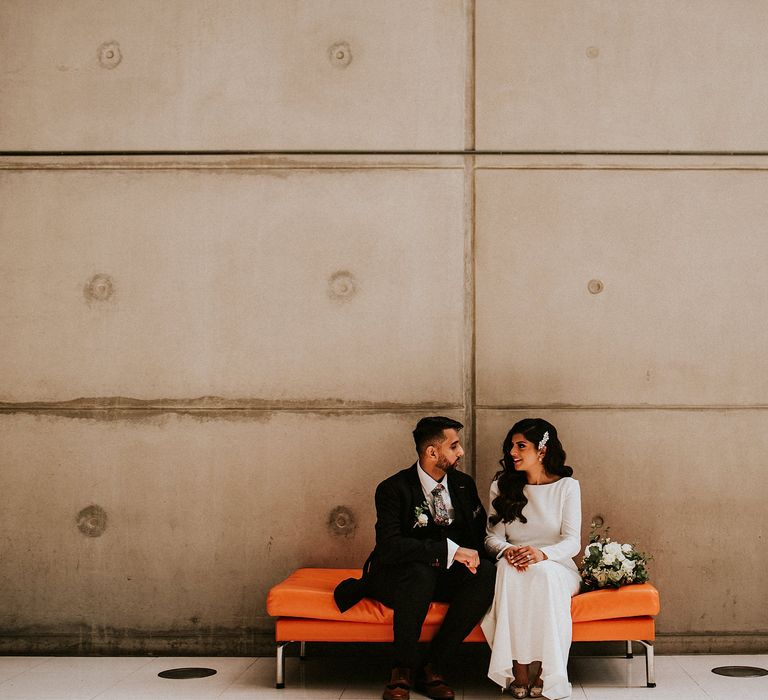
x=290 y=629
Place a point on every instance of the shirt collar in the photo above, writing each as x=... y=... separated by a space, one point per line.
x=427 y=482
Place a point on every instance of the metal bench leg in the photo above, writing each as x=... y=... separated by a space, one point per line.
x=630 y=655
x=280 y=669
x=650 y=673
x=302 y=650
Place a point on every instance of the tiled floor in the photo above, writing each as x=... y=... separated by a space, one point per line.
x=353 y=678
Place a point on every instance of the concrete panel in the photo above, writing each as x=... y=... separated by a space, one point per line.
x=233 y=74
x=687 y=486
x=600 y=75
x=203 y=515
x=681 y=315
x=276 y=285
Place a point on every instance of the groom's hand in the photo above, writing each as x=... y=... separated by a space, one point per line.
x=469 y=557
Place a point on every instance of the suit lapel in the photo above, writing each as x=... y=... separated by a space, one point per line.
x=415 y=484
x=459 y=496
x=417 y=493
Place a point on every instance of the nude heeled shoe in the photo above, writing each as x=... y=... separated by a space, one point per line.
x=518 y=691
x=536 y=690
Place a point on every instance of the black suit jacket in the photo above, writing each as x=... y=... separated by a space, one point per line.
x=399 y=541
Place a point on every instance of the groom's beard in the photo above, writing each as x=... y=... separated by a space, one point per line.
x=445 y=466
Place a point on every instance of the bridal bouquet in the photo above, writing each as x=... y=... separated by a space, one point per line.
x=611 y=564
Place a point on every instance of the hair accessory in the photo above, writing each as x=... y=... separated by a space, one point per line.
x=544 y=440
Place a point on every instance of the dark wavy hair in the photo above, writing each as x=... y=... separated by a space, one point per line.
x=511 y=500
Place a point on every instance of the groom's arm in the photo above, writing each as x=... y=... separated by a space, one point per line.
x=395 y=542
x=479 y=520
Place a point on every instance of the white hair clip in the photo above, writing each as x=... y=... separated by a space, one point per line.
x=544 y=439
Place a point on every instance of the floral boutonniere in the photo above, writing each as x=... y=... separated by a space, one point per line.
x=421 y=515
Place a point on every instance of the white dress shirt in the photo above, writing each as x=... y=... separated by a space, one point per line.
x=427 y=486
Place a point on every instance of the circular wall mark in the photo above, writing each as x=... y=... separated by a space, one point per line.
x=340 y=54
x=342 y=286
x=595 y=286
x=109 y=55
x=341 y=521
x=99 y=288
x=92 y=521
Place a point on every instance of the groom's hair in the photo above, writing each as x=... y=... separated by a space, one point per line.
x=429 y=431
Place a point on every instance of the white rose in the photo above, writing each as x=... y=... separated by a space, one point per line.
x=422 y=520
x=628 y=566
x=626 y=548
x=613 y=548
x=608 y=557
x=587 y=549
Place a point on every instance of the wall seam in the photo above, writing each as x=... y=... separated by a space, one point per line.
x=470 y=113
x=469 y=363
x=374 y=152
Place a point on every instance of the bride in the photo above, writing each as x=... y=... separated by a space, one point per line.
x=534 y=525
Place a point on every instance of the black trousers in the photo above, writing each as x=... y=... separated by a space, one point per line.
x=410 y=588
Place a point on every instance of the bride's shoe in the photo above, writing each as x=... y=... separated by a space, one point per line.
x=518 y=691
x=537 y=689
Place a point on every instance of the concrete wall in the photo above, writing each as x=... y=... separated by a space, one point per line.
x=509 y=209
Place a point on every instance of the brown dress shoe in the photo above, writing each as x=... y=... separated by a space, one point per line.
x=431 y=683
x=399 y=686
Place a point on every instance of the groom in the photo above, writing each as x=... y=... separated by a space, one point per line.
x=430 y=527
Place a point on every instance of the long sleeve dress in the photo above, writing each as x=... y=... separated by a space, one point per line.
x=530 y=619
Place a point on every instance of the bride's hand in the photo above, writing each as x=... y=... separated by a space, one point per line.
x=510 y=555
x=522 y=557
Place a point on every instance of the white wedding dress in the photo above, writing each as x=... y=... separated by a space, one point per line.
x=530 y=619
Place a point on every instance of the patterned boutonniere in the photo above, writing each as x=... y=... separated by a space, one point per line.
x=421 y=515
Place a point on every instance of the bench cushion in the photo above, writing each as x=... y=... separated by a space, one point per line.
x=289 y=629
x=611 y=603
x=308 y=593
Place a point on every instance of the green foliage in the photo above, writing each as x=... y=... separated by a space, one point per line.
x=609 y=564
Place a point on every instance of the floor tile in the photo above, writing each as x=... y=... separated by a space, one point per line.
x=699 y=668
x=145 y=684
x=322 y=679
x=69 y=678
x=618 y=671
x=355 y=678
x=625 y=679
x=11 y=666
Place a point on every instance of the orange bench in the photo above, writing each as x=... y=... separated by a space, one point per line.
x=305 y=610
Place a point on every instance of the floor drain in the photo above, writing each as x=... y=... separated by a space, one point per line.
x=187 y=673
x=740 y=671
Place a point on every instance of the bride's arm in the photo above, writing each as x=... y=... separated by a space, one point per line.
x=495 y=537
x=570 y=529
